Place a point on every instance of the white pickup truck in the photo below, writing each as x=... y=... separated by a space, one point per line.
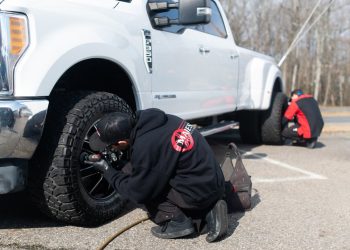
x=66 y=63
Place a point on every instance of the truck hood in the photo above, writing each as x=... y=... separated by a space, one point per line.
x=97 y=3
x=21 y=5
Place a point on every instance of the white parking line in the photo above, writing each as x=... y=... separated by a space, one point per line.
x=287 y=179
x=307 y=174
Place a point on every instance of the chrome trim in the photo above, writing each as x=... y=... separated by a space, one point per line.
x=218 y=128
x=8 y=61
x=159 y=97
x=147 y=50
x=21 y=127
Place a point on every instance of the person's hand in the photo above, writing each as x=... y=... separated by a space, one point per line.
x=101 y=165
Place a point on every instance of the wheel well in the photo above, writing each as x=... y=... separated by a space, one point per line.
x=97 y=75
x=277 y=86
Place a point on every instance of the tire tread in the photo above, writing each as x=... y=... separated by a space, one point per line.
x=53 y=172
x=271 y=128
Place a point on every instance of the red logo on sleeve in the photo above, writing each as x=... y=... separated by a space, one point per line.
x=182 y=139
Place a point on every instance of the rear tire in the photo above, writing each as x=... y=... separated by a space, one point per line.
x=56 y=179
x=271 y=127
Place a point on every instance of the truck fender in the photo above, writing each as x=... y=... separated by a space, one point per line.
x=45 y=62
x=260 y=76
x=273 y=81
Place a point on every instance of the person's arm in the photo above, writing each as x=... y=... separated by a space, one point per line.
x=289 y=114
x=144 y=183
x=107 y=170
x=291 y=111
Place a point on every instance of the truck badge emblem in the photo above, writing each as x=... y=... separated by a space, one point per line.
x=147 y=48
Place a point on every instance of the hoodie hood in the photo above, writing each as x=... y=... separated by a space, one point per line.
x=147 y=120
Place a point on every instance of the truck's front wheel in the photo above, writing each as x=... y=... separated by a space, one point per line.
x=60 y=183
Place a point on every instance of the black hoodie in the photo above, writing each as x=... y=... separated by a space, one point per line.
x=165 y=150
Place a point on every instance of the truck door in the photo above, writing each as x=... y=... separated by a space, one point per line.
x=194 y=68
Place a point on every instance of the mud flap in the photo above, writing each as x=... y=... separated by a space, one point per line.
x=238 y=182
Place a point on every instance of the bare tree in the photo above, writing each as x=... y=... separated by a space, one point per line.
x=320 y=62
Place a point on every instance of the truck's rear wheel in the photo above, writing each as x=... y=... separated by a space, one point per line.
x=60 y=183
x=249 y=127
x=271 y=127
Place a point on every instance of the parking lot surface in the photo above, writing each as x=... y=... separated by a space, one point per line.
x=301 y=200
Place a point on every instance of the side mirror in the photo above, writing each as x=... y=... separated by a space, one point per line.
x=194 y=11
x=189 y=12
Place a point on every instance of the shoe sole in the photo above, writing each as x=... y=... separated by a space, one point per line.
x=223 y=217
x=221 y=214
x=179 y=234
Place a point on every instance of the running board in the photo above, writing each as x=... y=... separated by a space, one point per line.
x=218 y=128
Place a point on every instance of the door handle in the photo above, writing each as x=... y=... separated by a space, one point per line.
x=234 y=56
x=204 y=50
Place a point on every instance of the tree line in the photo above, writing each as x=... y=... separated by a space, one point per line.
x=320 y=63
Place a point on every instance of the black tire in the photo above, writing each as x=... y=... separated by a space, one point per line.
x=56 y=180
x=271 y=127
x=249 y=126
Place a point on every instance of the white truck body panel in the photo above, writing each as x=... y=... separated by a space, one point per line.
x=195 y=72
x=206 y=92
x=70 y=36
x=64 y=33
x=202 y=88
x=257 y=77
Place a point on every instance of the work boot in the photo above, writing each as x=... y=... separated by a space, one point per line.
x=217 y=221
x=174 y=228
x=311 y=143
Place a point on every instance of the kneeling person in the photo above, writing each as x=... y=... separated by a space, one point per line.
x=175 y=175
x=307 y=117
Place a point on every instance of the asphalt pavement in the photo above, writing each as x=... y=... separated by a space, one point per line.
x=301 y=200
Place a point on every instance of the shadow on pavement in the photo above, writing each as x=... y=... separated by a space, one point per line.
x=318 y=145
x=219 y=143
x=234 y=217
x=17 y=212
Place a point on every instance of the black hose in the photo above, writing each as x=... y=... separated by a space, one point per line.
x=111 y=238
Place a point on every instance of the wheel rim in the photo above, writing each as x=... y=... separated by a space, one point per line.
x=93 y=182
